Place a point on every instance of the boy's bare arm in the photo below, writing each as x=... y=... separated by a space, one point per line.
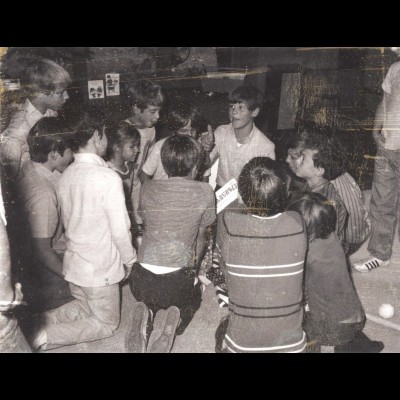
x=47 y=257
x=144 y=177
x=201 y=246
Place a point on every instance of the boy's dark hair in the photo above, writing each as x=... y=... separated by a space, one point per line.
x=297 y=140
x=318 y=214
x=47 y=135
x=117 y=132
x=179 y=115
x=43 y=75
x=263 y=186
x=83 y=127
x=248 y=94
x=142 y=94
x=329 y=153
x=179 y=154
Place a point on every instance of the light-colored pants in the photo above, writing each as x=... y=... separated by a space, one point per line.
x=384 y=202
x=95 y=314
x=11 y=338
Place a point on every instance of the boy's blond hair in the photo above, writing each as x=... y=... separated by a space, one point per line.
x=42 y=75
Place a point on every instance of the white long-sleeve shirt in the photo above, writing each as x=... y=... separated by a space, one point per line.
x=96 y=223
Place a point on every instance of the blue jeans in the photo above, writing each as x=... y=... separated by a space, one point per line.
x=384 y=202
x=93 y=315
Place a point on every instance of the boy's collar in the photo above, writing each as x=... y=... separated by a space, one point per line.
x=248 y=137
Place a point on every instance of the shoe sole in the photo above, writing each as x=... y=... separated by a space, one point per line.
x=135 y=340
x=163 y=335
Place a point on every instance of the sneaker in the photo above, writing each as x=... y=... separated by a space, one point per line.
x=136 y=338
x=370 y=263
x=163 y=335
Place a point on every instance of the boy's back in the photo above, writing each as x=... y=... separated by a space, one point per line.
x=93 y=205
x=330 y=291
x=264 y=260
x=173 y=210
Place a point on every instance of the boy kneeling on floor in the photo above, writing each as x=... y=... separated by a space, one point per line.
x=176 y=213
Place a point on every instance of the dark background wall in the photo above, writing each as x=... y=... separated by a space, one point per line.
x=338 y=87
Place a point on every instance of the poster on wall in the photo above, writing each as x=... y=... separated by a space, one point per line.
x=96 y=89
x=112 y=84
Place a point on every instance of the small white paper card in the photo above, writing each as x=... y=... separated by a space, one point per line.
x=227 y=194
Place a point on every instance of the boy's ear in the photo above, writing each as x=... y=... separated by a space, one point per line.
x=96 y=136
x=116 y=147
x=53 y=155
x=320 y=171
x=255 y=112
x=194 y=172
x=136 y=109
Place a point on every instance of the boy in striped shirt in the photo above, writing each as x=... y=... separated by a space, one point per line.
x=261 y=249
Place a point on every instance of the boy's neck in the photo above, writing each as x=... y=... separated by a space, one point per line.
x=135 y=122
x=118 y=162
x=243 y=133
x=315 y=181
x=48 y=166
x=42 y=108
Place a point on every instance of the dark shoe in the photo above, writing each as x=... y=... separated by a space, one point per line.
x=135 y=340
x=361 y=344
x=188 y=313
x=163 y=335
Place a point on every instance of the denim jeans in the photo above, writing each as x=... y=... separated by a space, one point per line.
x=94 y=314
x=384 y=202
x=11 y=338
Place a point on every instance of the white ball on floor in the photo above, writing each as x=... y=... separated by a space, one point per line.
x=386 y=311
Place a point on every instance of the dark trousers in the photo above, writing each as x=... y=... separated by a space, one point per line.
x=162 y=291
x=328 y=333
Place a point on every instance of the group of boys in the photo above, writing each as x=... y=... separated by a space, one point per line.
x=79 y=225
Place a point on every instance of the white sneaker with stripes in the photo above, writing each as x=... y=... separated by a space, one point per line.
x=369 y=264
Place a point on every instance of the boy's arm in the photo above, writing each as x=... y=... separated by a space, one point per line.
x=144 y=177
x=214 y=155
x=272 y=152
x=341 y=222
x=207 y=220
x=11 y=152
x=150 y=164
x=47 y=257
x=378 y=121
x=201 y=246
x=118 y=219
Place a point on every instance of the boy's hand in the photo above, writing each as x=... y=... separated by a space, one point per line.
x=128 y=270
x=14 y=299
